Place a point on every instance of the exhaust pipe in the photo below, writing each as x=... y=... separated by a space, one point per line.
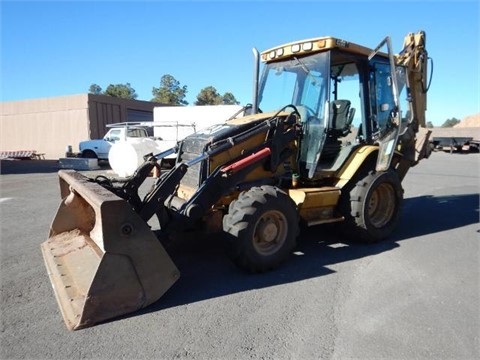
x=256 y=71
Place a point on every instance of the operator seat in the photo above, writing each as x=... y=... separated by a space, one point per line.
x=341 y=117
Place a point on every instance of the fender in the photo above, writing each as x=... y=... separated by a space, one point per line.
x=355 y=161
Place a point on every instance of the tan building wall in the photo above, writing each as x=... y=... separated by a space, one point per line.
x=48 y=125
x=45 y=125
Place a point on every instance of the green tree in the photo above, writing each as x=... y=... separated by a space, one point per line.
x=210 y=96
x=429 y=125
x=229 y=99
x=450 y=122
x=124 y=91
x=95 y=89
x=170 y=92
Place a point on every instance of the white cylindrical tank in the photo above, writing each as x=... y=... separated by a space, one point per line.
x=126 y=157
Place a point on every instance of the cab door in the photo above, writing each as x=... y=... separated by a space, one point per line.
x=385 y=105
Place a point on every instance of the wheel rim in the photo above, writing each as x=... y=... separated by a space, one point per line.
x=381 y=205
x=270 y=233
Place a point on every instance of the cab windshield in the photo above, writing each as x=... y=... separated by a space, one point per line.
x=300 y=81
x=303 y=82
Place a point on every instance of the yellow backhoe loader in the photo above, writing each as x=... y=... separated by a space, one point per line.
x=331 y=132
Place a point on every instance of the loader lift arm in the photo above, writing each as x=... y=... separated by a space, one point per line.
x=221 y=182
x=229 y=177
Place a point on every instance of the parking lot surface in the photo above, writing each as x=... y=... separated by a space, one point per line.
x=413 y=296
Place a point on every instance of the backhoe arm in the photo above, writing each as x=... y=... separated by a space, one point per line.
x=414 y=141
x=414 y=57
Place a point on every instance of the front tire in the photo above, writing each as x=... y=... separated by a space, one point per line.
x=261 y=227
x=375 y=203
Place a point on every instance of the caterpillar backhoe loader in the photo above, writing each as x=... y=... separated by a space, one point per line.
x=331 y=132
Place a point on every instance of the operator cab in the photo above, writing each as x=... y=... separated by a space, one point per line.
x=343 y=98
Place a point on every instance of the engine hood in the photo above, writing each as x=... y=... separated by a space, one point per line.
x=230 y=128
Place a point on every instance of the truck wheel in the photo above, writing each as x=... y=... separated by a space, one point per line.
x=261 y=227
x=375 y=203
x=89 y=154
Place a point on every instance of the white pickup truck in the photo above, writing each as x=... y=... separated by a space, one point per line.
x=125 y=144
x=99 y=148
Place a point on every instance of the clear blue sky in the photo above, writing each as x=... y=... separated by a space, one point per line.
x=62 y=47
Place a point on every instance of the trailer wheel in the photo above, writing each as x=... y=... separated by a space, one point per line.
x=375 y=202
x=261 y=227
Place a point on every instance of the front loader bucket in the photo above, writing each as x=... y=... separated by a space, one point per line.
x=102 y=258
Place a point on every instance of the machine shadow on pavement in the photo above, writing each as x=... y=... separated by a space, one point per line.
x=208 y=273
x=431 y=214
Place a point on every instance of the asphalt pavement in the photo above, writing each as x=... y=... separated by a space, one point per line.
x=413 y=296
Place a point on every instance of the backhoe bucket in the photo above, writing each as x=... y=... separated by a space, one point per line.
x=102 y=258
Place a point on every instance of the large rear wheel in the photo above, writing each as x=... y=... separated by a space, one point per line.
x=261 y=227
x=375 y=204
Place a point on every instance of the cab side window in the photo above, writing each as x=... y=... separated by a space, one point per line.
x=381 y=97
x=114 y=135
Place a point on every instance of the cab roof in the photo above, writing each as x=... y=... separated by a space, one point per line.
x=314 y=45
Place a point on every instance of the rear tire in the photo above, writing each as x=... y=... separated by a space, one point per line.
x=375 y=204
x=261 y=227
